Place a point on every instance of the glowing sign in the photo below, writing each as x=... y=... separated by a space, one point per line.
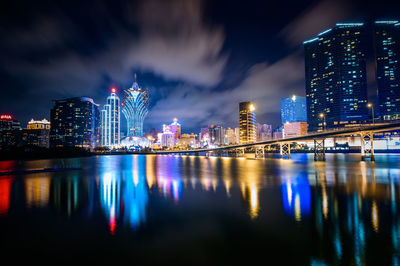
x=113 y=90
x=8 y=117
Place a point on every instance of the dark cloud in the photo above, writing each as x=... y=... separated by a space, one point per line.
x=313 y=20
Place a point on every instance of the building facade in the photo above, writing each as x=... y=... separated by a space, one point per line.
x=247 y=122
x=175 y=127
x=135 y=108
x=335 y=72
x=10 y=131
x=75 y=122
x=295 y=129
x=264 y=132
x=387 y=62
x=110 y=121
x=37 y=133
x=293 y=109
x=230 y=136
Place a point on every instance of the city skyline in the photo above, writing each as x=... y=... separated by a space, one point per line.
x=192 y=88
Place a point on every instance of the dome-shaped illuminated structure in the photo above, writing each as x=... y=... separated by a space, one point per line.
x=134 y=107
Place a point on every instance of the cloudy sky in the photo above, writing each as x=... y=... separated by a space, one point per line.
x=198 y=59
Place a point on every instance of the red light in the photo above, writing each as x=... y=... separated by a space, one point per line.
x=8 y=117
x=113 y=90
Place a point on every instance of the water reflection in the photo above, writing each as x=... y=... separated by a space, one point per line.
x=347 y=206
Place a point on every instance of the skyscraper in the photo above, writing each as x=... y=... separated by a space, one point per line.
x=336 y=84
x=134 y=108
x=175 y=128
x=387 y=56
x=293 y=109
x=110 y=121
x=75 y=123
x=247 y=122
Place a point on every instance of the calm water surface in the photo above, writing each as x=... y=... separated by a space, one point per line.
x=203 y=211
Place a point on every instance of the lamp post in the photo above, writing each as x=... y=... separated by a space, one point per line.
x=322 y=115
x=370 y=105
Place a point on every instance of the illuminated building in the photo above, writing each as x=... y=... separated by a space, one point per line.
x=237 y=134
x=230 y=136
x=336 y=84
x=10 y=131
x=188 y=140
x=264 y=132
x=247 y=121
x=74 y=123
x=293 y=109
x=37 y=133
x=205 y=135
x=175 y=128
x=38 y=124
x=167 y=137
x=134 y=108
x=387 y=56
x=295 y=129
x=277 y=134
x=216 y=135
x=8 y=123
x=110 y=121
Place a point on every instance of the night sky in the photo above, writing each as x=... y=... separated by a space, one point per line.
x=198 y=59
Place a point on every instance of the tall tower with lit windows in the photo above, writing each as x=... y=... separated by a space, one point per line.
x=135 y=108
x=387 y=56
x=335 y=72
x=110 y=121
x=247 y=121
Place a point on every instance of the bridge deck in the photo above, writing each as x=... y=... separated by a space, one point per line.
x=311 y=136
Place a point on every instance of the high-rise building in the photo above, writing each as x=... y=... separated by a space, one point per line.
x=293 y=109
x=167 y=137
x=7 y=122
x=175 y=128
x=295 y=129
x=264 y=132
x=187 y=141
x=74 y=122
x=10 y=131
x=387 y=56
x=335 y=71
x=247 y=121
x=37 y=133
x=135 y=108
x=110 y=121
x=230 y=136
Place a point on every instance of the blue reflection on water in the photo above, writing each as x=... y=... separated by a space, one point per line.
x=296 y=196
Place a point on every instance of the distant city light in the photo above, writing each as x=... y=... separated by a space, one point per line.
x=8 y=117
x=252 y=108
x=113 y=90
x=294 y=98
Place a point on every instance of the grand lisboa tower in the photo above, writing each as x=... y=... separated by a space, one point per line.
x=135 y=108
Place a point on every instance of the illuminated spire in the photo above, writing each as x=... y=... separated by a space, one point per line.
x=135 y=86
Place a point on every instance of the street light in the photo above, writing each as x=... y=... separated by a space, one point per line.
x=370 y=105
x=322 y=115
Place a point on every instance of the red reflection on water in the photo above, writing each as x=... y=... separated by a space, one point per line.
x=5 y=185
x=6 y=166
x=113 y=224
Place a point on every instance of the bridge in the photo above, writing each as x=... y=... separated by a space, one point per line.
x=366 y=134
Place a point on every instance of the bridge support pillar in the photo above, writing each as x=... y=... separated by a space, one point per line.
x=367 y=145
x=239 y=152
x=285 y=149
x=319 y=149
x=259 y=152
